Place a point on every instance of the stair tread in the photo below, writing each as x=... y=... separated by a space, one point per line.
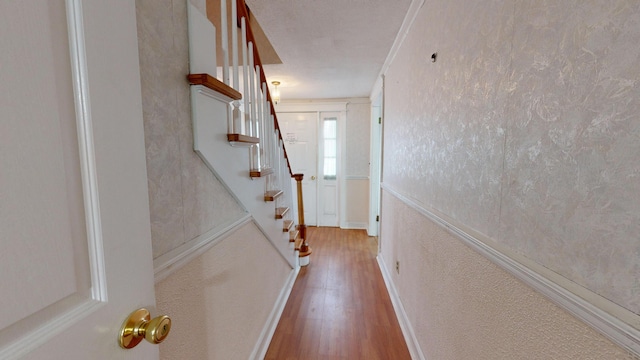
x=293 y=235
x=305 y=253
x=214 y=84
x=244 y=139
x=287 y=225
x=271 y=195
x=256 y=173
x=281 y=211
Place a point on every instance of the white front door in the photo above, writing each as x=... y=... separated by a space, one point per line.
x=300 y=134
x=328 y=170
x=75 y=244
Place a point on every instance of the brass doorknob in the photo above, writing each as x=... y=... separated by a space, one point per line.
x=313 y=177
x=139 y=325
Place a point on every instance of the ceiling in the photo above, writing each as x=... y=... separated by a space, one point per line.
x=329 y=48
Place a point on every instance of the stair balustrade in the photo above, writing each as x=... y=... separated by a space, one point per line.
x=252 y=120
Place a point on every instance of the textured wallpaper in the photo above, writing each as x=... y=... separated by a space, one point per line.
x=357 y=139
x=186 y=199
x=526 y=128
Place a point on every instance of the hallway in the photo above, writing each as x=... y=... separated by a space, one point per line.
x=339 y=307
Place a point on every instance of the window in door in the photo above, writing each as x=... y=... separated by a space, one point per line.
x=330 y=148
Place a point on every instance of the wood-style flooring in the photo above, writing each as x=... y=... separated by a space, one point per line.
x=339 y=307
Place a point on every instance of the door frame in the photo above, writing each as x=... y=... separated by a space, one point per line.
x=375 y=160
x=318 y=108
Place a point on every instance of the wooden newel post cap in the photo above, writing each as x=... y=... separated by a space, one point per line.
x=298 y=177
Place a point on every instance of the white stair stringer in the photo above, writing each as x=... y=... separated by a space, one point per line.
x=210 y=111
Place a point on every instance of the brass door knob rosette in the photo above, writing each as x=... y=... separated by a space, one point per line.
x=139 y=325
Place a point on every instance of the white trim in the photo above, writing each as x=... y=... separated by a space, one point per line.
x=86 y=149
x=342 y=169
x=49 y=329
x=355 y=225
x=356 y=177
x=376 y=90
x=167 y=264
x=212 y=93
x=558 y=289
x=409 y=18
x=264 y=340
x=375 y=161
x=310 y=106
x=358 y=101
x=405 y=325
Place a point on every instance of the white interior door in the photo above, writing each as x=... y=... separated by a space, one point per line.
x=300 y=134
x=75 y=248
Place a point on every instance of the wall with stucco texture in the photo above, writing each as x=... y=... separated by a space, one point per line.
x=357 y=138
x=526 y=129
x=220 y=301
x=185 y=198
x=356 y=160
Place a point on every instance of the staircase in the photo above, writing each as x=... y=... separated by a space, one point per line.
x=236 y=130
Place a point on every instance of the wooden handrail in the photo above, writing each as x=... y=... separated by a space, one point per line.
x=243 y=12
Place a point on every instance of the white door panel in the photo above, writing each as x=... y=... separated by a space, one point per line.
x=75 y=251
x=329 y=206
x=299 y=131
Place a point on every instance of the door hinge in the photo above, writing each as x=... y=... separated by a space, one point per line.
x=377 y=217
x=379 y=120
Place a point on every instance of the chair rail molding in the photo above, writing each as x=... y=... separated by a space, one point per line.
x=167 y=264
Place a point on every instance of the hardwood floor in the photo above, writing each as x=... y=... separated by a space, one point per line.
x=339 y=307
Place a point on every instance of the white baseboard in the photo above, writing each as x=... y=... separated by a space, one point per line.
x=405 y=325
x=262 y=345
x=355 y=225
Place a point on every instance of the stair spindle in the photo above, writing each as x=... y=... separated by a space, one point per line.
x=225 y=41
